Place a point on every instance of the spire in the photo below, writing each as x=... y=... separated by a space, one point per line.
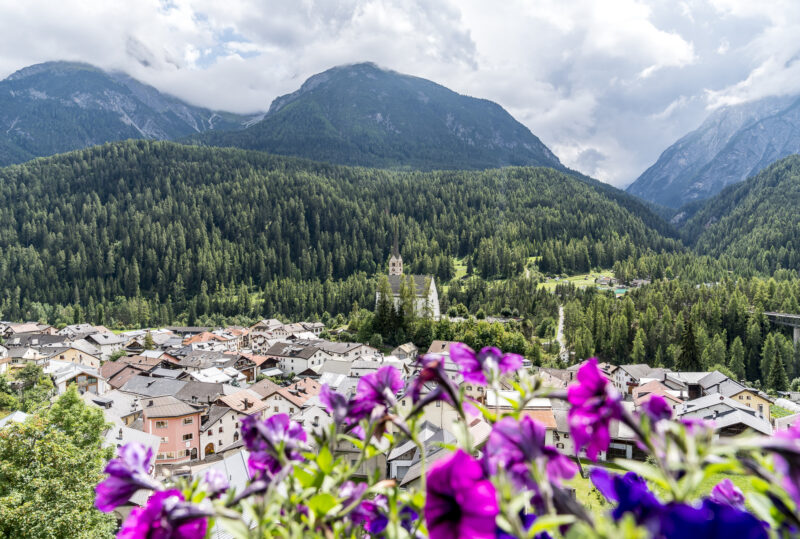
x=396 y=244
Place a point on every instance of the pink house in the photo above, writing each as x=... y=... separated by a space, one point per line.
x=178 y=426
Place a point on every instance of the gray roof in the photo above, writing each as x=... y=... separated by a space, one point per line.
x=214 y=414
x=34 y=339
x=121 y=435
x=712 y=379
x=115 y=403
x=161 y=372
x=336 y=366
x=152 y=387
x=201 y=392
x=641 y=370
x=419 y=283
x=106 y=338
x=282 y=349
x=168 y=407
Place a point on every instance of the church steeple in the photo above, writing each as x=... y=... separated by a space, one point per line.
x=396 y=261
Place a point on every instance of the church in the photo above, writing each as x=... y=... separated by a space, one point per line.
x=426 y=296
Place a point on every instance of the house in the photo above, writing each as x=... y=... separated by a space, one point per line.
x=73 y=355
x=314 y=327
x=228 y=375
x=426 y=297
x=245 y=401
x=556 y=378
x=21 y=356
x=342 y=350
x=297 y=358
x=440 y=347
x=177 y=424
x=627 y=377
x=266 y=325
x=219 y=429
x=203 y=394
x=264 y=388
x=643 y=393
x=117 y=374
x=65 y=373
x=729 y=417
x=150 y=387
x=752 y=398
x=187 y=331
x=119 y=408
x=108 y=343
x=406 y=351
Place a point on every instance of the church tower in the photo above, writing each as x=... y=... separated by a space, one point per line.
x=396 y=261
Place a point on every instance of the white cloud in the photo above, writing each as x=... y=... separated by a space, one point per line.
x=607 y=85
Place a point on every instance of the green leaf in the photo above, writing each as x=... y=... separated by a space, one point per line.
x=322 y=503
x=305 y=477
x=325 y=460
x=549 y=522
x=236 y=528
x=651 y=473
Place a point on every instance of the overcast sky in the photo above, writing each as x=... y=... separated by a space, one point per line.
x=607 y=85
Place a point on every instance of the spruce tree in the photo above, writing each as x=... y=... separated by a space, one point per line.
x=777 y=378
x=736 y=363
x=689 y=358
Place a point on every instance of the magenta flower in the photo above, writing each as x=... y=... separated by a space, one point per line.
x=785 y=445
x=595 y=403
x=657 y=408
x=513 y=445
x=376 y=389
x=460 y=501
x=166 y=516
x=490 y=360
x=272 y=443
x=432 y=372
x=127 y=473
x=727 y=493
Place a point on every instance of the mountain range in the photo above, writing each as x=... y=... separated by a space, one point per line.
x=55 y=107
x=732 y=144
x=363 y=115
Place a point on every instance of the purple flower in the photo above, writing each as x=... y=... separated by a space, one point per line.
x=166 y=516
x=657 y=408
x=216 y=482
x=127 y=473
x=272 y=443
x=490 y=360
x=785 y=444
x=460 y=501
x=727 y=493
x=376 y=389
x=595 y=403
x=631 y=495
x=338 y=406
x=432 y=372
x=710 y=521
x=513 y=445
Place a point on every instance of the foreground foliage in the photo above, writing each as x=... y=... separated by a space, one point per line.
x=511 y=485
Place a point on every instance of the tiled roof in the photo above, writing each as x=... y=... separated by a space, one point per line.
x=168 y=407
x=245 y=401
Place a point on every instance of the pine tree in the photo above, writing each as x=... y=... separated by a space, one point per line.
x=736 y=363
x=638 y=353
x=689 y=358
x=777 y=378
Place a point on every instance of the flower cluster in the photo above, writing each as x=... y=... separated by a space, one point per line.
x=499 y=476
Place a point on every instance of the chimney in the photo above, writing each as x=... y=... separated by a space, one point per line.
x=119 y=434
x=247 y=403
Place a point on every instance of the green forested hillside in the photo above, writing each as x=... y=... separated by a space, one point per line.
x=757 y=220
x=198 y=230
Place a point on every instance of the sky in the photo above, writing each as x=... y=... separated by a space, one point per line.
x=607 y=85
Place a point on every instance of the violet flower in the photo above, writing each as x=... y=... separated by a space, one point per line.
x=460 y=501
x=166 y=516
x=631 y=494
x=710 y=521
x=726 y=492
x=595 y=403
x=785 y=445
x=216 y=482
x=490 y=360
x=513 y=445
x=376 y=389
x=272 y=443
x=338 y=405
x=127 y=473
x=657 y=408
x=432 y=372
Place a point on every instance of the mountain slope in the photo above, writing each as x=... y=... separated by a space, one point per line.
x=758 y=220
x=59 y=106
x=170 y=221
x=364 y=115
x=732 y=144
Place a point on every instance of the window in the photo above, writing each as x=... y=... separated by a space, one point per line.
x=748 y=397
x=164 y=439
x=403 y=402
x=469 y=388
x=219 y=443
x=438 y=404
x=566 y=435
x=291 y=410
x=560 y=446
x=161 y=424
x=187 y=437
x=188 y=420
x=220 y=429
x=276 y=410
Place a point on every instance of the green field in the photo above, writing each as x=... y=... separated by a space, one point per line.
x=581 y=280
